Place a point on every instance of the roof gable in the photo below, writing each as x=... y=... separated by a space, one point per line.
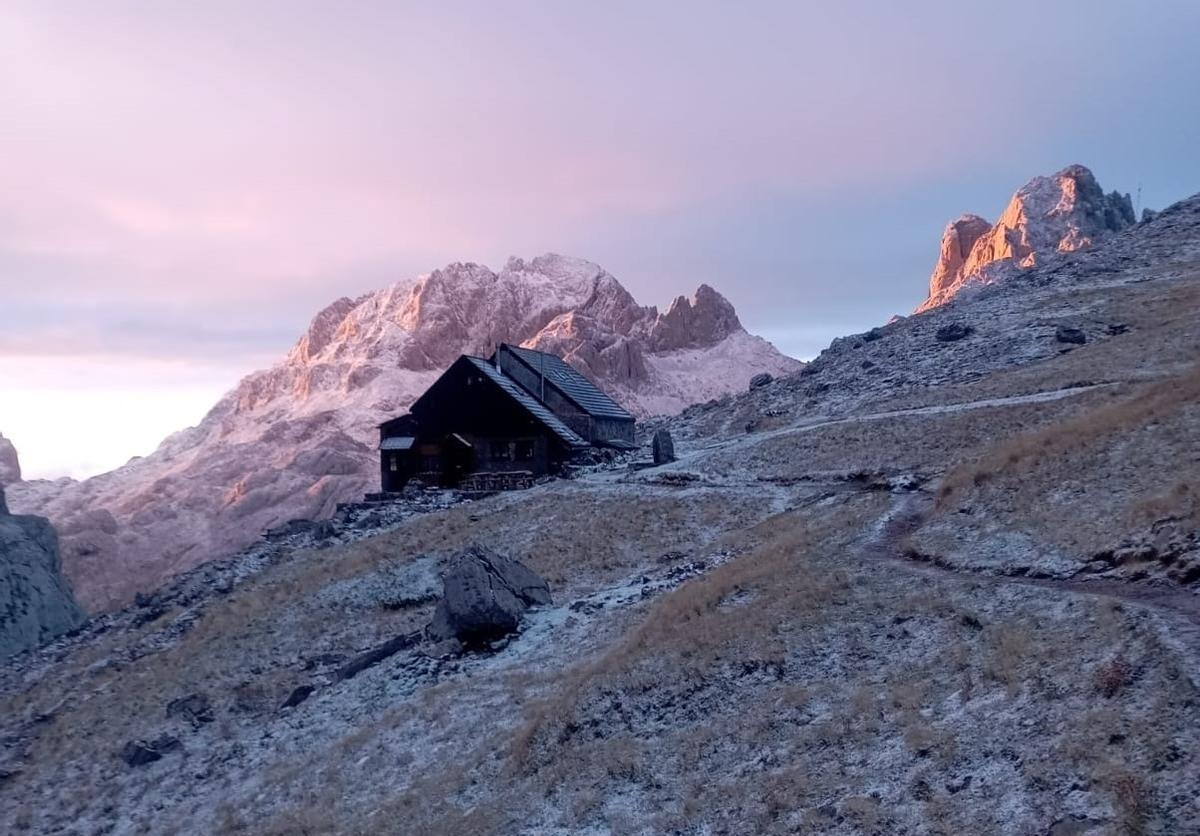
x=566 y=379
x=531 y=405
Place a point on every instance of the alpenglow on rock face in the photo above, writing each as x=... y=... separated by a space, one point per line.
x=1061 y=213
x=292 y=441
x=36 y=603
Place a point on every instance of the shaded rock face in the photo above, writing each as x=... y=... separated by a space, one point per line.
x=293 y=441
x=36 y=603
x=484 y=597
x=1061 y=213
x=10 y=465
x=953 y=332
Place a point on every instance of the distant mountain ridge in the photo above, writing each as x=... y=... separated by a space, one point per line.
x=1064 y=212
x=293 y=440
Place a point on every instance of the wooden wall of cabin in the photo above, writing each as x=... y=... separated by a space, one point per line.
x=501 y=431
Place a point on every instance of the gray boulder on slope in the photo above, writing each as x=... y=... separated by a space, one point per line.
x=36 y=602
x=485 y=594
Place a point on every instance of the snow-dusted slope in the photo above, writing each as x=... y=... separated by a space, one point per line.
x=1061 y=213
x=294 y=440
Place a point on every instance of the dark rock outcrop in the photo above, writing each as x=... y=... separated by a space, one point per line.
x=760 y=380
x=142 y=752
x=36 y=603
x=485 y=595
x=1074 y=336
x=10 y=464
x=194 y=708
x=953 y=332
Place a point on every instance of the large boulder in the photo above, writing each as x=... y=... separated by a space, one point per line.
x=36 y=602
x=484 y=596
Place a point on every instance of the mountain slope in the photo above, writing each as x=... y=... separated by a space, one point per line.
x=795 y=628
x=294 y=440
x=1061 y=213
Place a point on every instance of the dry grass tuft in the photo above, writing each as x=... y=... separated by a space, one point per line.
x=1114 y=676
x=1140 y=407
x=1134 y=802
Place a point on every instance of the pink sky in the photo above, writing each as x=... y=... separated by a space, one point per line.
x=183 y=184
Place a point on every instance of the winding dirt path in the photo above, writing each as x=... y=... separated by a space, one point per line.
x=909 y=512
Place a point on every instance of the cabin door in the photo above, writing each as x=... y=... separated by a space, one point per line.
x=395 y=470
x=460 y=459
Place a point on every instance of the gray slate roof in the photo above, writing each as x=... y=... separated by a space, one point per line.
x=531 y=404
x=571 y=383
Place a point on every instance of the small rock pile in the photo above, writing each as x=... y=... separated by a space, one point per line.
x=1168 y=548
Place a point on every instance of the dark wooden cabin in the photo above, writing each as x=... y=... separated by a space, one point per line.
x=475 y=424
x=578 y=403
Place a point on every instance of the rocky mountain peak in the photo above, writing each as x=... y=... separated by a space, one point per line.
x=10 y=464
x=1062 y=212
x=705 y=319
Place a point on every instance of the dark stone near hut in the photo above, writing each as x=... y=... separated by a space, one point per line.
x=663 y=447
x=761 y=379
x=1070 y=335
x=195 y=708
x=142 y=752
x=485 y=595
x=872 y=335
x=953 y=332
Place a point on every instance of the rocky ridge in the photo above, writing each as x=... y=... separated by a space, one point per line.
x=1061 y=213
x=295 y=440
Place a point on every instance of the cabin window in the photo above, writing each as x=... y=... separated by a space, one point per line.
x=524 y=450
x=503 y=451
x=431 y=464
x=392 y=462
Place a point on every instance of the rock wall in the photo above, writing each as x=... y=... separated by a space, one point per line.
x=36 y=603
x=10 y=465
